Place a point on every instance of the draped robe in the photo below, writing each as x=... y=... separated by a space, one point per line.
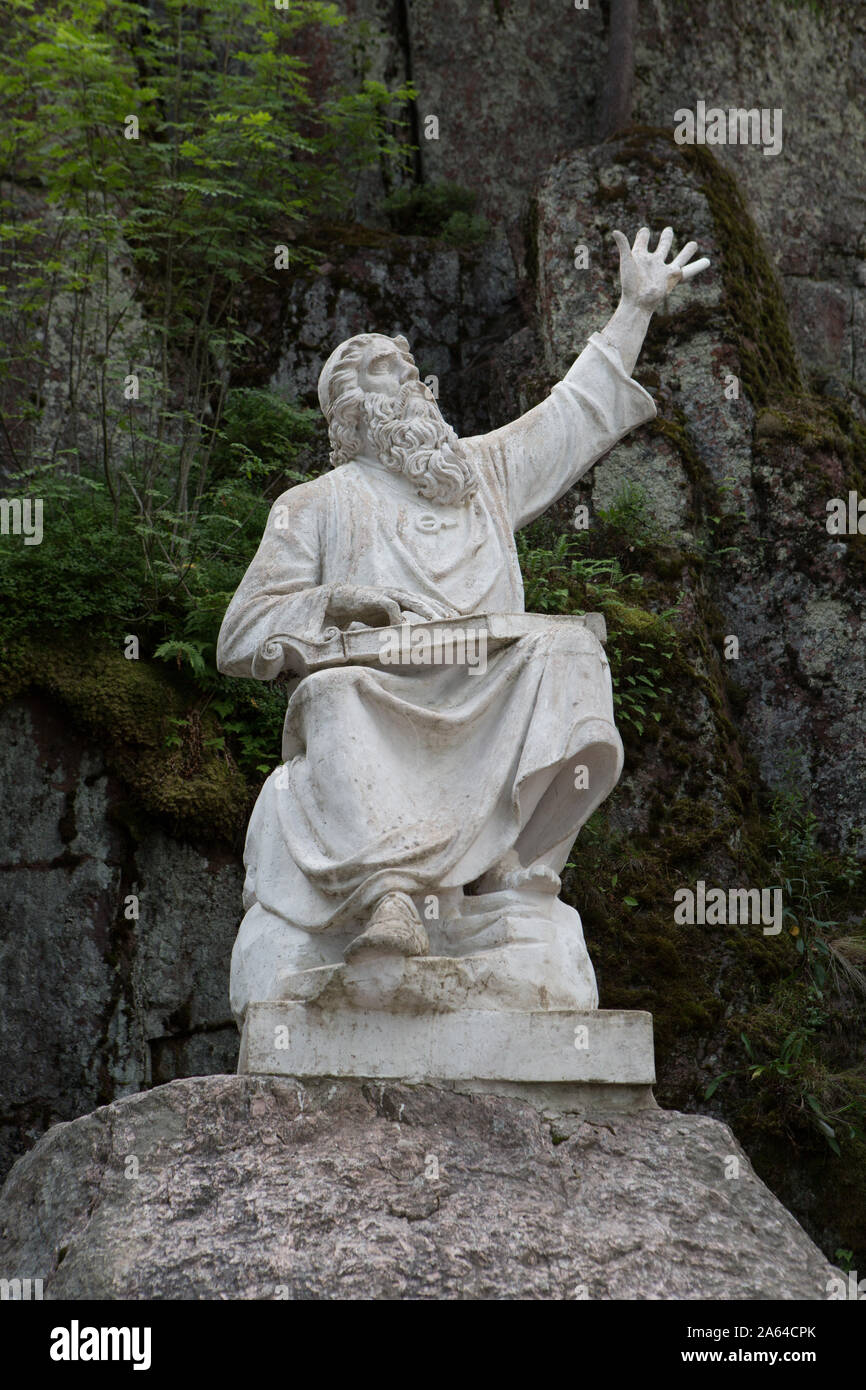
x=421 y=779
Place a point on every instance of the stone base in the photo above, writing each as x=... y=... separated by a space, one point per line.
x=548 y=1057
x=268 y=1187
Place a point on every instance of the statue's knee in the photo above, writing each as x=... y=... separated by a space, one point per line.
x=332 y=684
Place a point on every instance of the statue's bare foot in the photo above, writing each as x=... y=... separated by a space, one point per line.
x=395 y=929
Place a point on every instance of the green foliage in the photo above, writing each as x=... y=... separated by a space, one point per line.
x=107 y=570
x=641 y=648
x=249 y=715
x=232 y=156
x=444 y=210
x=629 y=513
x=263 y=436
x=837 y=1111
x=559 y=577
x=812 y=879
x=153 y=159
x=796 y=1029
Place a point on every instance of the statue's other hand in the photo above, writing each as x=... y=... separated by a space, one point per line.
x=427 y=609
x=645 y=277
x=356 y=603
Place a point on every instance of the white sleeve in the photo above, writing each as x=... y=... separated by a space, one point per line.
x=541 y=455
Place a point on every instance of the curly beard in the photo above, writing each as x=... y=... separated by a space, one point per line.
x=411 y=437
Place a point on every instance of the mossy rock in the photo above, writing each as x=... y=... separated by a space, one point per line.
x=132 y=708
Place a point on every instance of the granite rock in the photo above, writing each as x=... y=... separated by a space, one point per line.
x=258 y=1188
x=93 y=1003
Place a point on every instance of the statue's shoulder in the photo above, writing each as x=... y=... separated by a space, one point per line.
x=318 y=502
x=309 y=496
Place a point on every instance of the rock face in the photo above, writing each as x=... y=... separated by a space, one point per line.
x=799 y=59
x=792 y=594
x=456 y=307
x=246 y=1188
x=513 y=84
x=116 y=1003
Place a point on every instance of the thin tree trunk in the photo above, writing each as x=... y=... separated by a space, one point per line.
x=615 y=102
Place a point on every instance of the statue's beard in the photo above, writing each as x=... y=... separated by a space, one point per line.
x=411 y=437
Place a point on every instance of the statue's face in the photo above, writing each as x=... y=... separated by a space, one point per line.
x=383 y=370
x=398 y=423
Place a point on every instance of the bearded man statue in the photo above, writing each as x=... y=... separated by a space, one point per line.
x=425 y=812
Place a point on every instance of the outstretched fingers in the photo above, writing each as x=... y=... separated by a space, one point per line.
x=695 y=267
x=686 y=254
x=665 y=241
x=621 y=244
x=680 y=268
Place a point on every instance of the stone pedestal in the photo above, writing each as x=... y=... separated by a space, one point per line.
x=602 y=1059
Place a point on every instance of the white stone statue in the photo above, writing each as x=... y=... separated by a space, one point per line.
x=441 y=750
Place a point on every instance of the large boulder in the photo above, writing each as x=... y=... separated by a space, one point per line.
x=259 y=1188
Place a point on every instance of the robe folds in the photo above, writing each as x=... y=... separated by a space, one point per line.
x=420 y=779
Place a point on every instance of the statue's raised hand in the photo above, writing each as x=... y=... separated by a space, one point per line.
x=358 y=603
x=645 y=277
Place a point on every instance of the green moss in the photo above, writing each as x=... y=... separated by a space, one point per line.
x=673 y=428
x=753 y=296
x=611 y=193
x=639 y=624
x=753 y=303
x=132 y=708
x=443 y=210
x=333 y=238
